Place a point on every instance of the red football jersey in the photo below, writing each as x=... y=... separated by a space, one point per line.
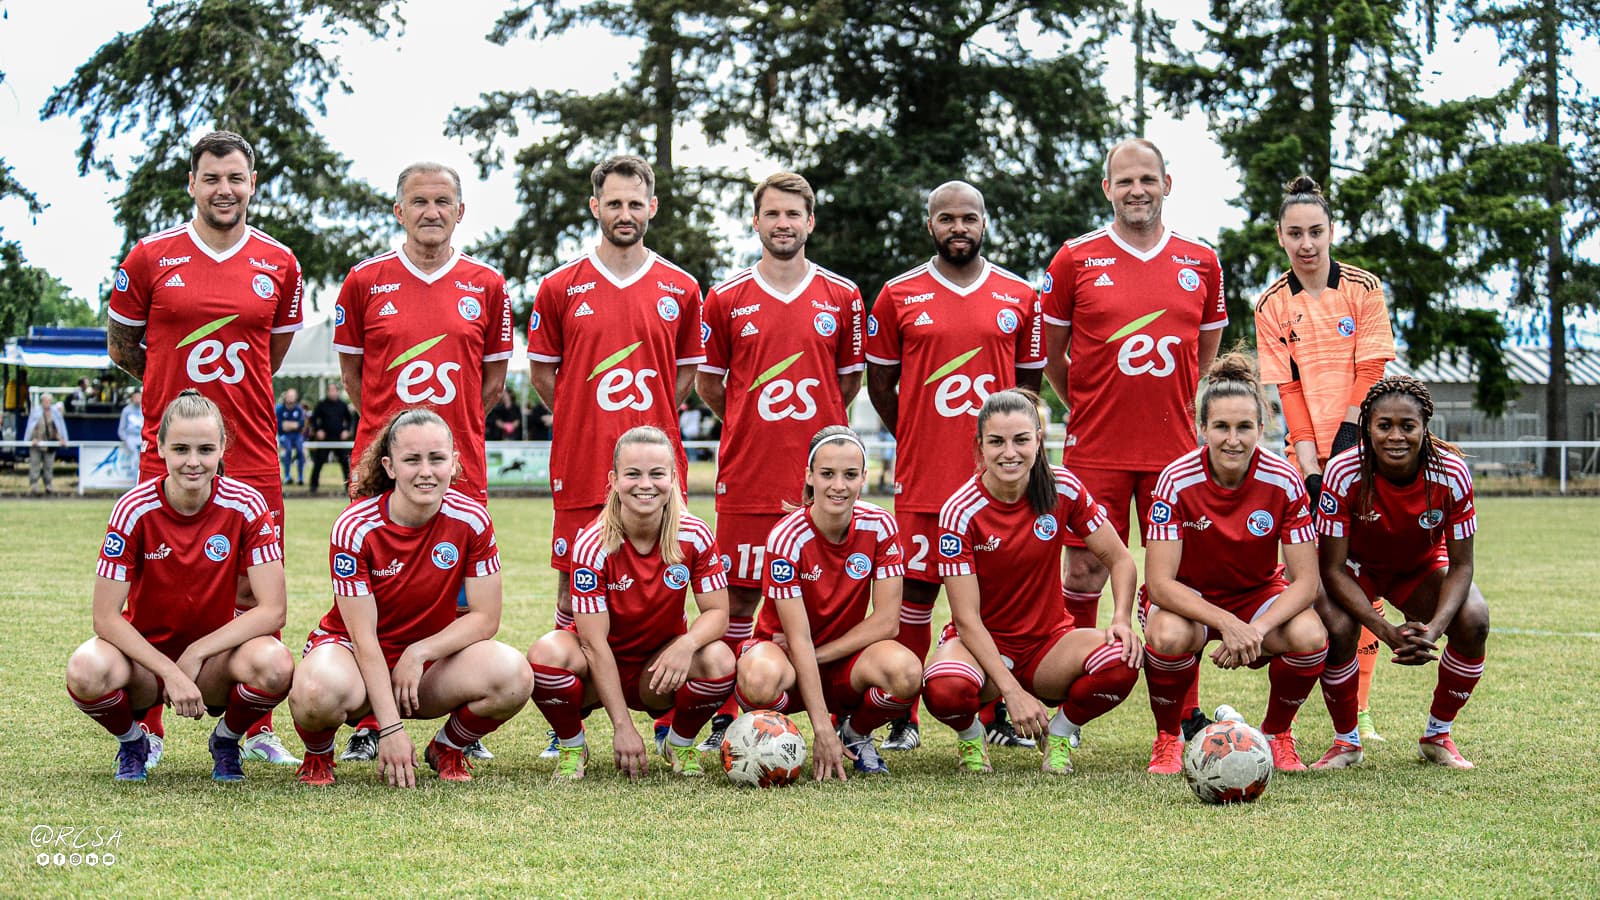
x=782 y=355
x=955 y=346
x=423 y=339
x=1134 y=353
x=1230 y=537
x=618 y=343
x=1015 y=553
x=1408 y=524
x=414 y=575
x=208 y=322
x=184 y=570
x=644 y=596
x=834 y=580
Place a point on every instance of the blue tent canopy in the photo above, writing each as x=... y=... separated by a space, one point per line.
x=58 y=348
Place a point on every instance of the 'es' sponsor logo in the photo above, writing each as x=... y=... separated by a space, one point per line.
x=959 y=394
x=949 y=546
x=622 y=388
x=575 y=289
x=217 y=547
x=857 y=566
x=420 y=381
x=174 y=260
x=1097 y=261
x=445 y=555
x=1259 y=523
x=676 y=577
x=344 y=565
x=383 y=289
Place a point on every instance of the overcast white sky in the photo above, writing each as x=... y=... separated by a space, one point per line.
x=442 y=61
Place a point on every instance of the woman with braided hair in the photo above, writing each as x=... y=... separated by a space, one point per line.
x=1397 y=520
x=1323 y=333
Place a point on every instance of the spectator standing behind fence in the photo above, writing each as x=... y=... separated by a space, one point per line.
x=331 y=421
x=505 y=419
x=292 y=436
x=46 y=426
x=539 y=420
x=131 y=425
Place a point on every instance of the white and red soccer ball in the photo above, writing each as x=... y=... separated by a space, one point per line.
x=1228 y=762
x=763 y=748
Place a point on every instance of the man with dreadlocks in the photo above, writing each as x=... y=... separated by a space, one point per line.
x=1397 y=521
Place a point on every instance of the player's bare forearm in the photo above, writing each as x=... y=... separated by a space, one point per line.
x=1104 y=543
x=1209 y=342
x=712 y=389
x=109 y=626
x=350 y=374
x=1030 y=378
x=1055 y=357
x=1457 y=583
x=123 y=345
x=883 y=390
x=962 y=593
x=278 y=349
x=607 y=680
x=849 y=387
x=685 y=383
x=1332 y=552
x=804 y=656
x=266 y=617
x=543 y=376
x=494 y=381
x=712 y=623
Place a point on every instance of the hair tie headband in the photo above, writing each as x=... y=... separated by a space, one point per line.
x=846 y=436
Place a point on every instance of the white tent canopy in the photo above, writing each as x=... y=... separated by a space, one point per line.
x=312 y=354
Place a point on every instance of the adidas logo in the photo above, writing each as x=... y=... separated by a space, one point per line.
x=923 y=319
x=266 y=529
x=749 y=329
x=1104 y=280
x=389 y=310
x=583 y=310
x=175 y=280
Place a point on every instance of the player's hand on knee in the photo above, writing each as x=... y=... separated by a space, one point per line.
x=184 y=697
x=1132 y=649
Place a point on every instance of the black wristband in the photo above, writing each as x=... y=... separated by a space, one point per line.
x=1314 y=487
x=392 y=729
x=1348 y=436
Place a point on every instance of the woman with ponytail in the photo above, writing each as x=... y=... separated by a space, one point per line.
x=631 y=645
x=393 y=645
x=1397 y=521
x=164 y=621
x=1000 y=542
x=1220 y=515
x=832 y=581
x=1323 y=333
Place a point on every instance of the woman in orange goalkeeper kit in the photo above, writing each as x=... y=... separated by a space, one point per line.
x=1323 y=337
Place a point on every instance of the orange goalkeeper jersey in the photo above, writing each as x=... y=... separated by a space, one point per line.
x=1318 y=342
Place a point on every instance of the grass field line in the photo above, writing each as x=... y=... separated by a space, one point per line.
x=1540 y=632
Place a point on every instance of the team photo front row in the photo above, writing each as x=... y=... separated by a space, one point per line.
x=190 y=597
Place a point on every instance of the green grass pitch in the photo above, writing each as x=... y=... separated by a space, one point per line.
x=1525 y=823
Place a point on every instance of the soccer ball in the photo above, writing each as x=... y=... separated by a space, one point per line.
x=763 y=748
x=1228 y=762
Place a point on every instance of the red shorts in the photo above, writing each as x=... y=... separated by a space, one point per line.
x=565 y=530
x=630 y=671
x=1113 y=490
x=836 y=691
x=1396 y=587
x=318 y=638
x=743 y=539
x=1247 y=606
x=919 y=533
x=1022 y=659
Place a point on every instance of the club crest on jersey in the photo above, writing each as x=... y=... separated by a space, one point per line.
x=1160 y=513
x=561 y=547
x=727 y=564
x=949 y=546
x=445 y=555
x=584 y=580
x=262 y=285
x=1328 y=503
x=114 y=545
x=217 y=547
x=338 y=314
x=1347 y=326
x=344 y=565
x=668 y=308
x=705 y=333
x=470 y=308
x=1431 y=519
x=872 y=326
x=1259 y=523
x=1007 y=320
x=676 y=576
x=858 y=566
x=1188 y=279
x=1045 y=527
x=782 y=571
x=825 y=324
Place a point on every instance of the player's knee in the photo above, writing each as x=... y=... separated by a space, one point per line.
x=555 y=650
x=903 y=673
x=88 y=674
x=272 y=668
x=318 y=700
x=714 y=660
x=510 y=678
x=760 y=681
x=1471 y=625
x=948 y=694
x=1170 y=635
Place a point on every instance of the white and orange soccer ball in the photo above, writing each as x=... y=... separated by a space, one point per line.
x=763 y=748
x=1228 y=762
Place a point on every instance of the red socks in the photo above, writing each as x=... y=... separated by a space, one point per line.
x=878 y=708
x=465 y=727
x=1458 y=675
x=1339 y=692
x=318 y=743
x=1083 y=607
x=1106 y=681
x=112 y=711
x=559 y=695
x=1291 y=676
x=695 y=702
x=950 y=689
x=1169 y=680
x=248 y=707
